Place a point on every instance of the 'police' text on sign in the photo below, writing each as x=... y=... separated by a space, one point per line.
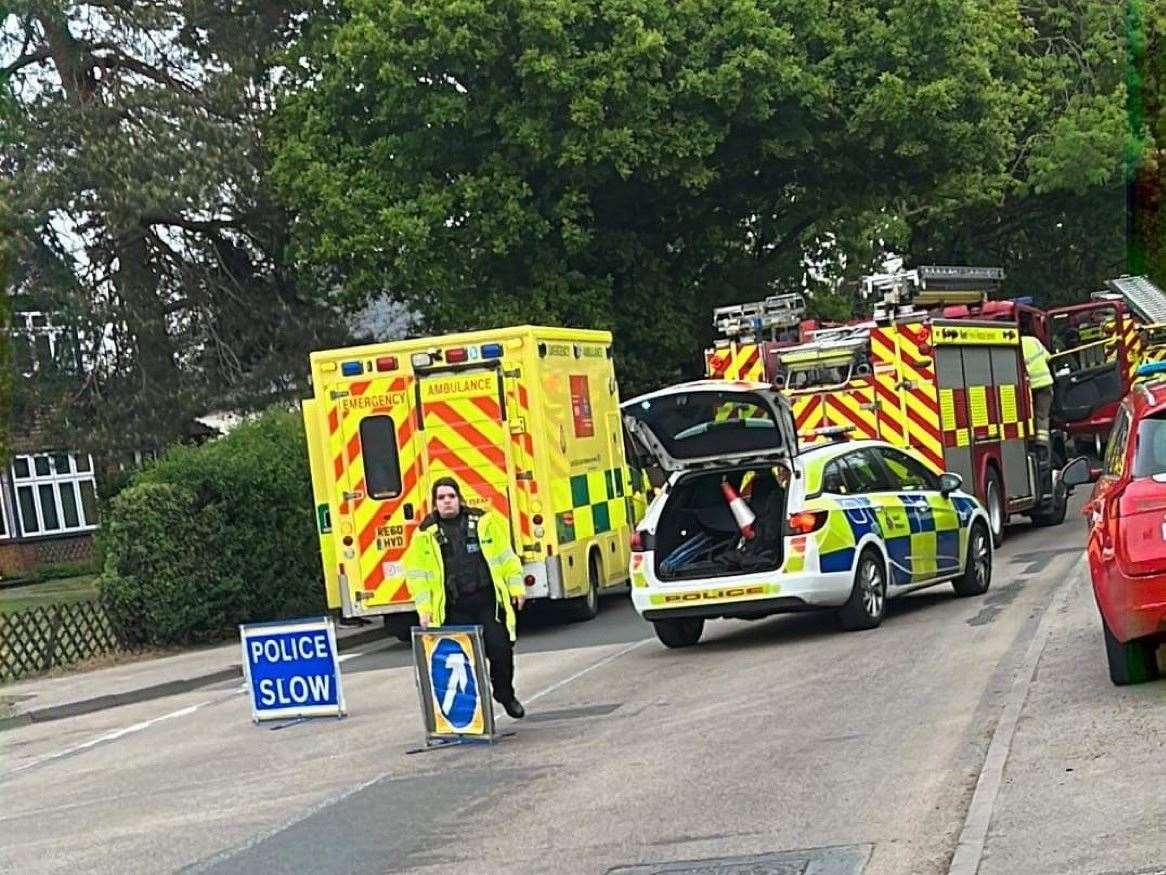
x=292 y=670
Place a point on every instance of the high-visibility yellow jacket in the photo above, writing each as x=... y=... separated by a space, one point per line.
x=1036 y=362
x=425 y=572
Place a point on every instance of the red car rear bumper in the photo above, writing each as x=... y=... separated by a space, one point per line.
x=1134 y=607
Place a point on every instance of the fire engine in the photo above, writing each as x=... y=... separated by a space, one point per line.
x=749 y=335
x=953 y=389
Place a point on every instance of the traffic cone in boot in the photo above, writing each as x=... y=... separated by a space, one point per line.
x=744 y=517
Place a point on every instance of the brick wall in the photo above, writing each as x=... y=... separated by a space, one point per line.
x=24 y=558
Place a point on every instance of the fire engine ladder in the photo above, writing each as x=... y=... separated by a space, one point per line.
x=760 y=319
x=1146 y=300
x=907 y=291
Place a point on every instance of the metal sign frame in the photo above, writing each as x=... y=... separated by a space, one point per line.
x=277 y=627
x=434 y=734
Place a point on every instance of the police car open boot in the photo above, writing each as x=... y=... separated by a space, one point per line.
x=722 y=523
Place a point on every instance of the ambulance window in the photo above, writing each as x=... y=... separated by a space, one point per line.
x=868 y=472
x=378 y=451
x=910 y=475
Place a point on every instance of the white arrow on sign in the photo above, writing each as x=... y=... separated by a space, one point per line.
x=458 y=680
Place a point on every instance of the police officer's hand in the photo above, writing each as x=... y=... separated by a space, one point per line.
x=518 y=601
x=423 y=621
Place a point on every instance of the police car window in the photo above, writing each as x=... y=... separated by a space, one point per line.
x=910 y=475
x=837 y=479
x=1116 y=450
x=378 y=452
x=867 y=470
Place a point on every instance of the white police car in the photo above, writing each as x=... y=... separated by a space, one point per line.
x=856 y=523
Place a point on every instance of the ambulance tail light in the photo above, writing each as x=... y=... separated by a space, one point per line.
x=456 y=355
x=387 y=363
x=642 y=541
x=421 y=360
x=352 y=369
x=529 y=580
x=491 y=350
x=806 y=521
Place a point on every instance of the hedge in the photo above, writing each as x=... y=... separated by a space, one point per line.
x=209 y=537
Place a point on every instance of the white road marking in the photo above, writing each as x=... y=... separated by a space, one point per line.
x=109 y=736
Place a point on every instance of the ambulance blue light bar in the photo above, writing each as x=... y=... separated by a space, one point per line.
x=352 y=369
x=491 y=350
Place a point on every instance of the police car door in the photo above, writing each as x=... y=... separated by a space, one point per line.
x=931 y=517
x=874 y=481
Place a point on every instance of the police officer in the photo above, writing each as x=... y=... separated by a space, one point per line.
x=1040 y=380
x=461 y=570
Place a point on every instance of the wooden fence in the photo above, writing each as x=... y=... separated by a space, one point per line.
x=38 y=639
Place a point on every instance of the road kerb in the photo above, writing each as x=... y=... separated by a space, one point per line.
x=969 y=851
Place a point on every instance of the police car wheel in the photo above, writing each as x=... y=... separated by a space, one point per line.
x=868 y=599
x=680 y=632
x=977 y=576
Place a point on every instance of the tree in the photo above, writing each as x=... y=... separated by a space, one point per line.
x=629 y=164
x=137 y=170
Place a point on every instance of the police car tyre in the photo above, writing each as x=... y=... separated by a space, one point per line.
x=977 y=576
x=586 y=607
x=1134 y=662
x=681 y=632
x=994 y=505
x=868 y=599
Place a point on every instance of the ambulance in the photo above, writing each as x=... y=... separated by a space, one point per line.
x=526 y=418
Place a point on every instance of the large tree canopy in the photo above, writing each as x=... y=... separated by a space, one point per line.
x=136 y=171
x=631 y=163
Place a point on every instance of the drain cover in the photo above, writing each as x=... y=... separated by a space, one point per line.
x=815 y=861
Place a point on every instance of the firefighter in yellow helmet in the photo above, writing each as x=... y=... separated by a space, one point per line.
x=1040 y=380
x=461 y=570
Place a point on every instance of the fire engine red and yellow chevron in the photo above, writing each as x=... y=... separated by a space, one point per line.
x=378 y=539
x=1135 y=348
x=915 y=398
x=737 y=361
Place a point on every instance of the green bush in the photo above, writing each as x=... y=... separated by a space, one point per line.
x=209 y=537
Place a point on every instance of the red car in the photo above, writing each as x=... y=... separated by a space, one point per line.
x=1127 y=534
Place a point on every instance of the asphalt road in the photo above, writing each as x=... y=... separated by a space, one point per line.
x=814 y=749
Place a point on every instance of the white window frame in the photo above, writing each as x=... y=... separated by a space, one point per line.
x=55 y=478
x=5 y=521
x=58 y=334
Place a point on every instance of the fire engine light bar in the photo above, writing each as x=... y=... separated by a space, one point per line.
x=352 y=369
x=387 y=363
x=456 y=355
x=491 y=350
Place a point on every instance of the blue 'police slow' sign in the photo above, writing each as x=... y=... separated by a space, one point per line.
x=291 y=669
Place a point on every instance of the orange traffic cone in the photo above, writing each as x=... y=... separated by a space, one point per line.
x=741 y=512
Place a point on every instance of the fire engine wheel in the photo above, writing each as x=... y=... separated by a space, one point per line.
x=868 y=599
x=994 y=504
x=1055 y=515
x=586 y=607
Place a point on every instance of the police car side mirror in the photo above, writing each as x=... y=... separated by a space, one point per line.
x=1078 y=473
x=949 y=483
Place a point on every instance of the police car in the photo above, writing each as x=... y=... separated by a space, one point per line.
x=748 y=524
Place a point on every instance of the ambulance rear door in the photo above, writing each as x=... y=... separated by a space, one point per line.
x=377 y=465
x=463 y=418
